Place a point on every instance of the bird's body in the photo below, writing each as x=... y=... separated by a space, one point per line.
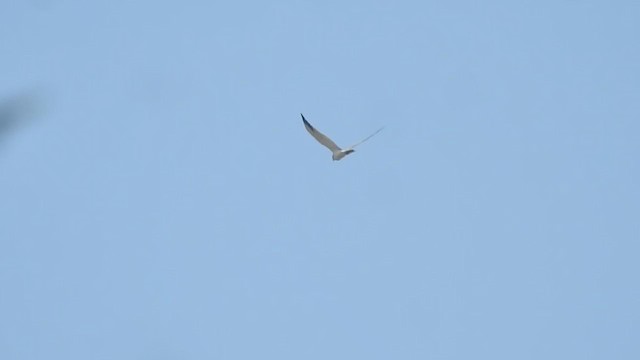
x=337 y=152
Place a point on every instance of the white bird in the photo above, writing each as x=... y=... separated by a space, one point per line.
x=337 y=152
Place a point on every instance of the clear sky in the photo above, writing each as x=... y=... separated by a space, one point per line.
x=160 y=198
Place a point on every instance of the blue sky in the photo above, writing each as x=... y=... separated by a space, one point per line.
x=160 y=198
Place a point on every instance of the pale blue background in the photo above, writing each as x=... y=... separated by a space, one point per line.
x=165 y=202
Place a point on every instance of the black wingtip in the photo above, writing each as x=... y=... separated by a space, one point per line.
x=305 y=121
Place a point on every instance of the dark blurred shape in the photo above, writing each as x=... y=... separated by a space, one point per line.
x=18 y=111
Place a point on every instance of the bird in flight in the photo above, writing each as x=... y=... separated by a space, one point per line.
x=337 y=152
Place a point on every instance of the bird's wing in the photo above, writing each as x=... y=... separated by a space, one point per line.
x=322 y=138
x=367 y=138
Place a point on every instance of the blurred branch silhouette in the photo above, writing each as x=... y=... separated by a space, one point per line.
x=17 y=111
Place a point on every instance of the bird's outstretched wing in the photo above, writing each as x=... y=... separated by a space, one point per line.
x=322 y=138
x=367 y=138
